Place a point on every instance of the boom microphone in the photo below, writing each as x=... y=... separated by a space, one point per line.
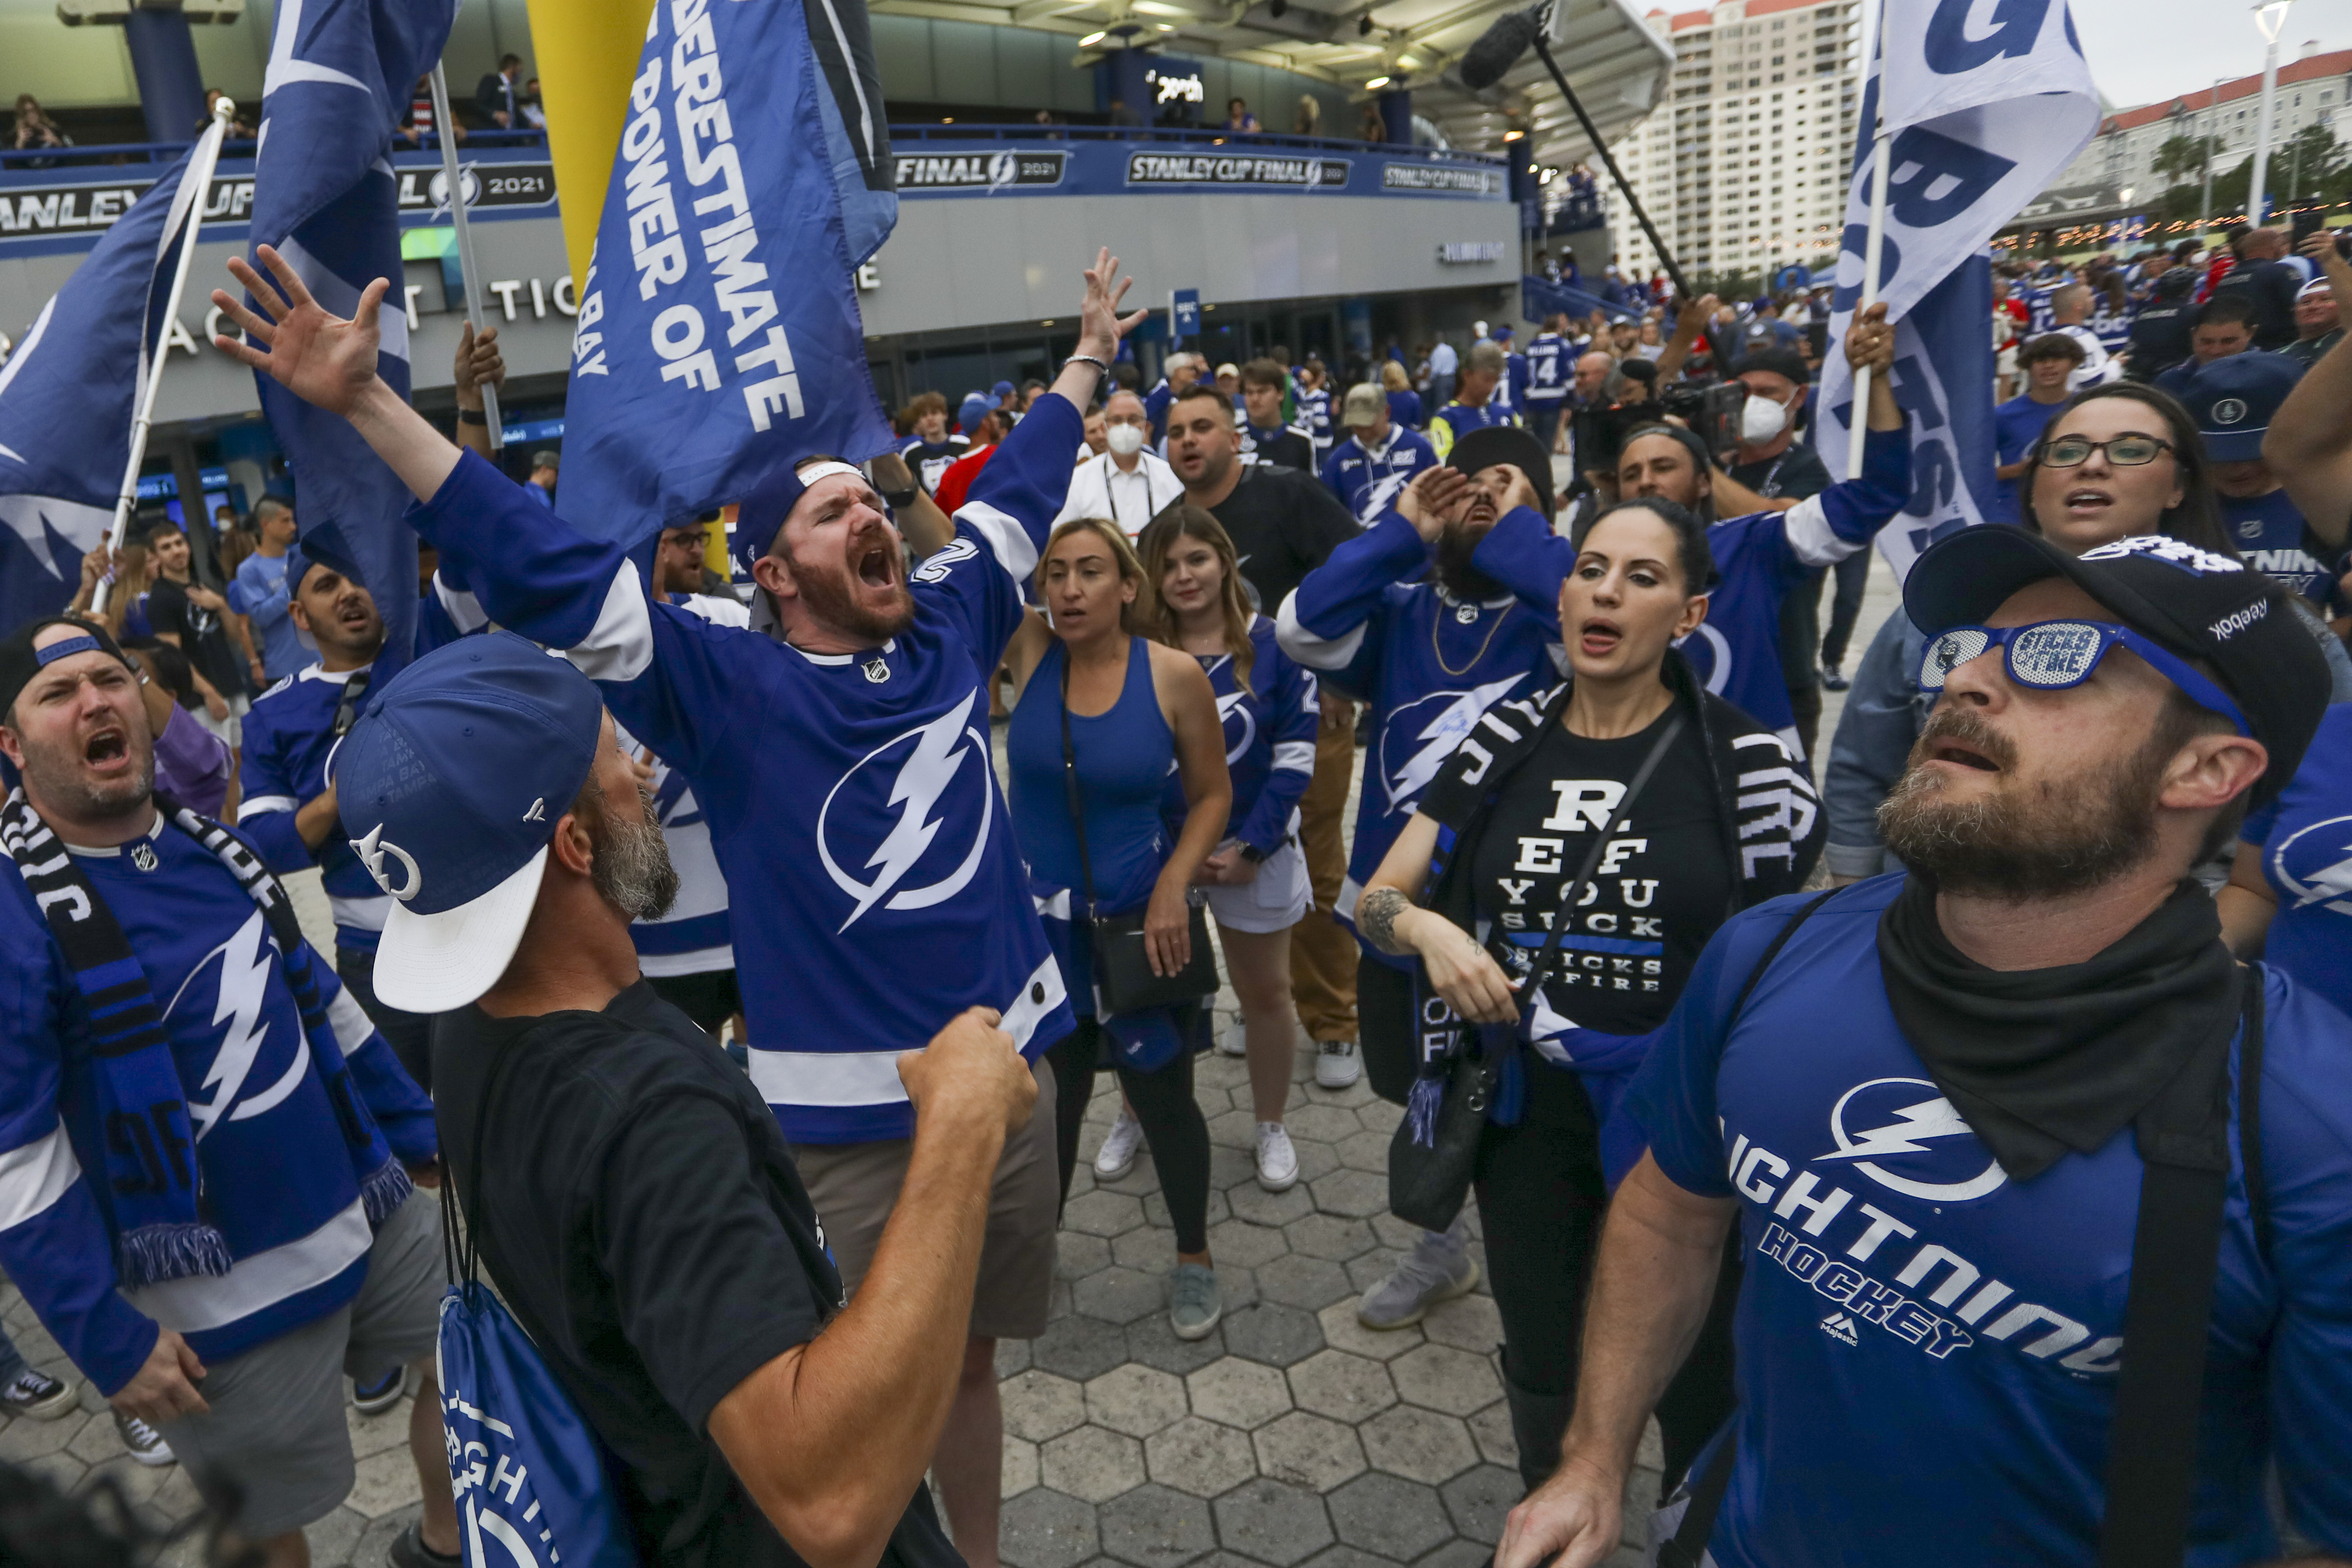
x=1498 y=48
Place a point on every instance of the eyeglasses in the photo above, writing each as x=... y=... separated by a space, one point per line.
x=2054 y=656
x=2125 y=451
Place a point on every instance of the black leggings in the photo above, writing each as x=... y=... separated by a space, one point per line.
x=1173 y=1127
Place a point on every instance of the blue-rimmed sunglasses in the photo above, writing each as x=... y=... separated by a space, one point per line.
x=2052 y=656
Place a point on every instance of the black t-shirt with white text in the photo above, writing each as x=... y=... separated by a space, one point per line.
x=642 y=1216
x=1284 y=524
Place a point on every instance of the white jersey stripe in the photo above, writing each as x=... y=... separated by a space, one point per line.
x=33 y=1178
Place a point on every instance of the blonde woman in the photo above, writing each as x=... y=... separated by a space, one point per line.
x=1404 y=403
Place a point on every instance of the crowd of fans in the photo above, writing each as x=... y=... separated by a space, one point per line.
x=1553 y=610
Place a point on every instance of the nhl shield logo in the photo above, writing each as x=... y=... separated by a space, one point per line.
x=877 y=671
x=143 y=857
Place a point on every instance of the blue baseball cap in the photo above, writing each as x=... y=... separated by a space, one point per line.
x=450 y=786
x=975 y=409
x=1001 y=390
x=1502 y=333
x=2231 y=402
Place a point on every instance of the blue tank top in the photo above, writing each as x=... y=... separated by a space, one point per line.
x=1123 y=759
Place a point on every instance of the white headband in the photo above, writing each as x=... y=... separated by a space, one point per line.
x=825 y=471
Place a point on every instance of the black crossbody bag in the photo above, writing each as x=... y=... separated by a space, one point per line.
x=1124 y=982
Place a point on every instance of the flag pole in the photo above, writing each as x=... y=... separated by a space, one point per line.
x=207 y=156
x=446 y=130
x=1880 y=150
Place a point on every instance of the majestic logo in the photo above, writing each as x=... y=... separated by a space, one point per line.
x=929 y=759
x=243 y=986
x=1839 y=1326
x=1896 y=1119
x=1241 y=725
x=374 y=851
x=1420 y=736
x=2318 y=873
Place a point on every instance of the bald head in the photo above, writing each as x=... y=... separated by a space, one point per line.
x=1592 y=374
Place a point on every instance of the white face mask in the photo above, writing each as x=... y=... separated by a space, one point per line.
x=1126 y=440
x=1761 y=419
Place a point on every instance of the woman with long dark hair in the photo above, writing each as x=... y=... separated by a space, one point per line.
x=1256 y=879
x=1600 y=833
x=1101 y=715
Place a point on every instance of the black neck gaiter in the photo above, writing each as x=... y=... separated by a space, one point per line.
x=2042 y=1061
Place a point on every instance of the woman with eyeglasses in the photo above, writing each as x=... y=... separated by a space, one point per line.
x=2121 y=459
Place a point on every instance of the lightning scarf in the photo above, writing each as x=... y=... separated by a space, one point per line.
x=160 y=1232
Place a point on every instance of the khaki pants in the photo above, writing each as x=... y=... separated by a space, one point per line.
x=1323 y=952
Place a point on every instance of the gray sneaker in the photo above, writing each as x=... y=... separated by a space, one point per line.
x=1438 y=1268
x=146 y=1445
x=1193 y=1302
x=38 y=1395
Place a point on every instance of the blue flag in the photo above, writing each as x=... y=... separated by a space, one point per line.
x=719 y=339
x=70 y=393
x=1981 y=120
x=324 y=194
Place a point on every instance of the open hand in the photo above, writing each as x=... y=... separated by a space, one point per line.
x=1168 y=931
x=1100 y=326
x=320 y=357
x=1433 y=499
x=1572 y=1519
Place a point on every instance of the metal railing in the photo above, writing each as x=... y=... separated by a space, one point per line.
x=119 y=153
x=1029 y=130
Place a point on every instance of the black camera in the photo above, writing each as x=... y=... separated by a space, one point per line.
x=1712 y=413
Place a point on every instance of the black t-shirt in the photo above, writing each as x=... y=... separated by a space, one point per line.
x=1659 y=892
x=1284 y=449
x=1795 y=474
x=1284 y=524
x=2271 y=288
x=202 y=636
x=641 y=1217
x=929 y=459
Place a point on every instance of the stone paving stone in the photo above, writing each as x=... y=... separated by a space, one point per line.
x=1235 y=1129
x=1273 y=1523
x=1359 y=1195
x=1038 y=1405
x=1311 y=1283
x=1316 y=1159
x=1345 y=1556
x=23 y=1439
x=1386 y=1513
x=1136 y=1400
x=1155 y=1213
x=1345 y=1388
x=1078 y=1254
x=1418 y=1445
x=1332 y=1236
x=1238 y=1392
x=1478 y=1500
x=1444 y=1378
x=1308 y=1451
x=1324 y=1123
x=1364 y=1152
x=1275 y=1335
x=1342 y=1330
x=1380 y=1116
x=1239 y=1243
x=333 y=1538
x=1013 y=1356
x=1043 y=1529
x=1200 y=1457
x=1078 y=1348
x=1102 y=1214
x=383 y=1482
x=1491 y=1430
x=1092 y=1464
x=1255 y=1204
x=374 y=1542
x=1019 y=1472
x=1121 y=1295
x=1155 y=1527
x=1153 y=1341
x=1467 y=1322
x=1458 y=1553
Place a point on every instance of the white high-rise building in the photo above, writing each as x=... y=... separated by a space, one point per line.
x=2314 y=89
x=1746 y=169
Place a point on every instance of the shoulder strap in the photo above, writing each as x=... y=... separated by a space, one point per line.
x=1070 y=786
x=1658 y=749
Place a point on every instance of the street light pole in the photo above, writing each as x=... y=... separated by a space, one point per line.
x=2271 y=19
x=2205 y=200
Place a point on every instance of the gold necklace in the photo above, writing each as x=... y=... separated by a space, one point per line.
x=1435 y=621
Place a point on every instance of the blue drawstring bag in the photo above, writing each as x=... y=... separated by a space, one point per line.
x=529 y=1475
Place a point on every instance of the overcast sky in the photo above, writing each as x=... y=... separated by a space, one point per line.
x=2143 y=50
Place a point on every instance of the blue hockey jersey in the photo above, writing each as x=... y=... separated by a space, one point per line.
x=1456 y=420
x=1269 y=741
x=1315 y=414
x=1760 y=559
x=289 y=733
x=1927 y=1350
x=1551 y=368
x=275 y=1171
x=693 y=937
x=1428 y=664
x=877 y=888
x=1368 y=480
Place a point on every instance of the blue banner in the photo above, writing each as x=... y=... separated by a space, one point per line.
x=325 y=195
x=69 y=392
x=719 y=339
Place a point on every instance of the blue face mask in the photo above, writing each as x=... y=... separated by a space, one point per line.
x=2054 y=656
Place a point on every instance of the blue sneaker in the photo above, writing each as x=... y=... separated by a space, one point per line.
x=376 y=1396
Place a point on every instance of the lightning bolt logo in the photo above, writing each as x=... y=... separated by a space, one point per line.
x=934 y=762
x=1230 y=706
x=1906 y=1134
x=2331 y=886
x=1443 y=734
x=245 y=961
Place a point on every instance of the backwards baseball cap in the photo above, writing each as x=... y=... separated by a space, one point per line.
x=2314 y=288
x=2199 y=604
x=2231 y=402
x=1363 y=405
x=1506 y=444
x=762 y=515
x=450 y=785
x=20 y=660
x=1786 y=363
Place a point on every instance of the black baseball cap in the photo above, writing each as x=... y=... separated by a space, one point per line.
x=1786 y=363
x=2201 y=605
x=19 y=661
x=1506 y=444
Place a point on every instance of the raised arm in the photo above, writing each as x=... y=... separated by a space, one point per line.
x=478 y=364
x=1323 y=622
x=2309 y=445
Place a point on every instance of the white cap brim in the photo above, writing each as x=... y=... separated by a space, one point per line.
x=433 y=964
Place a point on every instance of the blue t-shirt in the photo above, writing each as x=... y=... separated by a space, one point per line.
x=2272 y=535
x=2305 y=840
x=2016 y=425
x=1927 y=1350
x=258 y=594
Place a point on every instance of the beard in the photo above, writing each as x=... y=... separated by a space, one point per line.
x=1455 y=545
x=57 y=779
x=2027 y=841
x=632 y=869
x=831 y=598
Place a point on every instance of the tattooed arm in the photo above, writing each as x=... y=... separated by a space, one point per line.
x=1461 y=970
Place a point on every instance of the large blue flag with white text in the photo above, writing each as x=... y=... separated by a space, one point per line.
x=69 y=394
x=323 y=193
x=718 y=339
x=1982 y=119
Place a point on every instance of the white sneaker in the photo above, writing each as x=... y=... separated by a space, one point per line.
x=1336 y=1065
x=1232 y=1040
x=1277 y=1161
x=146 y=1444
x=1116 y=1155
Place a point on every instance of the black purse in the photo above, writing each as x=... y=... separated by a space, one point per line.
x=1434 y=1149
x=1124 y=982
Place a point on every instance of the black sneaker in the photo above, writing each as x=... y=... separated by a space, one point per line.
x=36 y=1394
x=1834 y=680
x=408 y=1551
x=146 y=1445
x=377 y=1395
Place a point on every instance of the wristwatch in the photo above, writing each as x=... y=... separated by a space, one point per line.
x=901 y=499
